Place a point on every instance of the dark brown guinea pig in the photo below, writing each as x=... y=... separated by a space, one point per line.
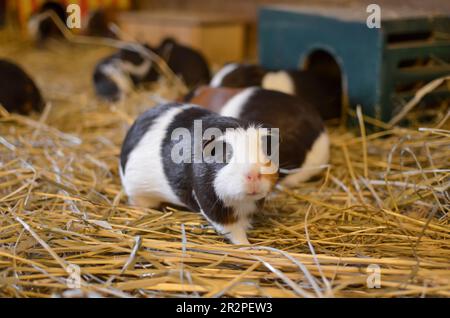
x=186 y=62
x=18 y=92
x=99 y=21
x=212 y=98
x=42 y=27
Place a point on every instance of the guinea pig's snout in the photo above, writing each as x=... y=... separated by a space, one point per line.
x=254 y=182
x=253 y=176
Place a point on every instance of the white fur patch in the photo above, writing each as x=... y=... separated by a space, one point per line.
x=144 y=179
x=316 y=158
x=233 y=107
x=216 y=81
x=279 y=81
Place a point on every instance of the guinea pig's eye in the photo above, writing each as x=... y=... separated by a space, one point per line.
x=209 y=150
x=269 y=143
x=217 y=151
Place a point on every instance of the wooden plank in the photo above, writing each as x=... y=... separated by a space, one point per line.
x=181 y=18
x=219 y=38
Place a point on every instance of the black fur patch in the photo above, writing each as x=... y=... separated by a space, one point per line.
x=18 y=92
x=323 y=93
x=47 y=27
x=185 y=62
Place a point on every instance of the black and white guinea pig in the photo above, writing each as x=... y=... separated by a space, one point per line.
x=304 y=146
x=323 y=92
x=43 y=28
x=18 y=92
x=227 y=192
x=118 y=74
x=115 y=76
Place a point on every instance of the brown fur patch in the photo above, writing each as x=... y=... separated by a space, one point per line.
x=213 y=98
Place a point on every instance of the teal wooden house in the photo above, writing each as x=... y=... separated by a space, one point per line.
x=379 y=68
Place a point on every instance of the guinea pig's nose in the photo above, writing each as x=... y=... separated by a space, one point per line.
x=253 y=176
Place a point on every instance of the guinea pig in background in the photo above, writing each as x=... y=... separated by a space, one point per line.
x=226 y=191
x=99 y=22
x=188 y=63
x=304 y=144
x=117 y=75
x=322 y=91
x=43 y=28
x=18 y=92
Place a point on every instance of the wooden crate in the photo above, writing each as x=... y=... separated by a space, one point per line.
x=220 y=38
x=381 y=68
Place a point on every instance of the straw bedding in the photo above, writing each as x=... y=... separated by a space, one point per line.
x=383 y=204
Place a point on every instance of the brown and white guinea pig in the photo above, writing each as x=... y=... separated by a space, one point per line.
x=212 y=98
x=41 y=27
x=18 y=92
x=188 y=156
x=304 y=146
x=116 y=75
x=323 y=92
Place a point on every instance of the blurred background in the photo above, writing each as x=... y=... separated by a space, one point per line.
x=222 y=30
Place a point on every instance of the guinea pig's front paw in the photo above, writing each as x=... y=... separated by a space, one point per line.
x=240 y=241
x=236 y=233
